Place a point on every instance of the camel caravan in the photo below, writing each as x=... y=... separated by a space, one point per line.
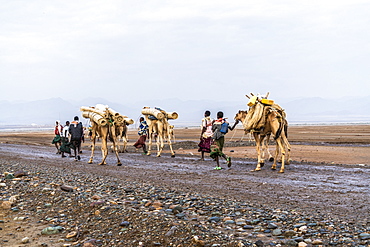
x=157 y=120
x=263 y=119
x=106 y=123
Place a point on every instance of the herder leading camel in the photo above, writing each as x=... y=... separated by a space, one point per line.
x=275 y=124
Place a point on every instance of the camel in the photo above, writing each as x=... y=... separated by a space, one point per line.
x=121 y=134
x=274 y=124
x=163 y=131
x=106 y=123
x=104 y=132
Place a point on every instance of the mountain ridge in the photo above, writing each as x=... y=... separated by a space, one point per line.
x=301 y=110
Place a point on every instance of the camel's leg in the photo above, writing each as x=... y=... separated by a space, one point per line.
x=277 y=151
x=280 y=146
x=264 y=146
x=160 y=144
x=115 y=147
x=151 y=133
x=267 y=141
x=260 y=162
x=115 y=140
x=170 y=144
x=104 y=150
x=287 y=146
x=93 y=139
x=124 y=139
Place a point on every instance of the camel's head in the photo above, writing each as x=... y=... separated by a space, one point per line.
x=240 y=116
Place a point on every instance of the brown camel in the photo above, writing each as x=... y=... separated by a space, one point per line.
x=104 y=132
x=274 y=124
x=163 y=131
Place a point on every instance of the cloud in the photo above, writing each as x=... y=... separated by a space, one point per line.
x=183 y=49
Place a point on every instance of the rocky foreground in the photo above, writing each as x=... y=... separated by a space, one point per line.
x=51 y=206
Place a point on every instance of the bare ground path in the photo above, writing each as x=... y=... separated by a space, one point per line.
x=341 y=190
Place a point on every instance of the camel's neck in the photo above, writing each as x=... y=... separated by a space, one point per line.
x=243 y=119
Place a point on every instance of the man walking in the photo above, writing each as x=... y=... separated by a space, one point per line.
x=76 y=131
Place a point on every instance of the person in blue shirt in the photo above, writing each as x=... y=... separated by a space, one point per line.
x=143 y=132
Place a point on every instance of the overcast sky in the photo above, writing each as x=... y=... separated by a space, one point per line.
x=194 y=49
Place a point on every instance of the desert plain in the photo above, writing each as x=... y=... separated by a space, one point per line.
x=322 y=199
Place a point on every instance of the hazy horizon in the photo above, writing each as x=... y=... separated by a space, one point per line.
x=212 y=50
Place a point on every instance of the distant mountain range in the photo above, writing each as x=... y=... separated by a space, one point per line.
x=302 y=110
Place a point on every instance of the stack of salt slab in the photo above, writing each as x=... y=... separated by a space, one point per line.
x=159 y=113
x=103 y=114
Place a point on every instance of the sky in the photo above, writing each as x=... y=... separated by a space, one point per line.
x=126 y=51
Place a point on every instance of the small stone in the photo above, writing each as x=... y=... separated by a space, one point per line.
x=157 y=205
x=171 y=231
x=96 y=197
x=298 y=239
x=302 y=244
x=303 y=229
x=177 y=209
x=227 y=218
x=6 y=205
x=317 y=242
x=259 y=243
x=291 y=242
x=124 y=223
x=272 y=226
x=25 y=240
x=19 y=218
x=19 y=174
x=255 y=222
x=240 y=222
x=71 y=235
x=198 y=242
x=15 y=209
x=9 y=176
x=180 y=215
x=66 y=188
x=97 y=203
x=90 y=243
x=214 y=219
x=364 y=236
x=51 y=230
x=289 y=233
x=277 y=232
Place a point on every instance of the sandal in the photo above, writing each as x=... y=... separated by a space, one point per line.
x=228 y=161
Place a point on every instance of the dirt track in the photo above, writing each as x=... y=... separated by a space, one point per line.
x=328 y=176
